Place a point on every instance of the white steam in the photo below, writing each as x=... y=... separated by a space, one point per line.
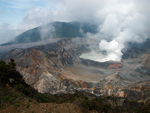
x=113 y=50
x=119 y=21
x=123 y=23
x=46 y=32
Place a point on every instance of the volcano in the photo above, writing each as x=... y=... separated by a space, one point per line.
x=67 y=65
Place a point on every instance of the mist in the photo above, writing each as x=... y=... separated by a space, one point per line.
x=119 y=22
x=46 y=32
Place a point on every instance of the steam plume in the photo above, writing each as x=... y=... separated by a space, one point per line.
x=122 y=27
x=119 y=21
x=113 y=49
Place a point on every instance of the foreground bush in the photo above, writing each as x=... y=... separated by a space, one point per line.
x=99 y=104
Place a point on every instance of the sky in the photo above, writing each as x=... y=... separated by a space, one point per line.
x=17 y=16
x=120 y=20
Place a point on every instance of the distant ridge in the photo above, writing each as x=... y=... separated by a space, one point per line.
x=60 y=30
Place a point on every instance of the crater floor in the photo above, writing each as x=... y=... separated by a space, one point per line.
x=64 y=66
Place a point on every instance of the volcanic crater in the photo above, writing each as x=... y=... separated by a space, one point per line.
x=68 y=65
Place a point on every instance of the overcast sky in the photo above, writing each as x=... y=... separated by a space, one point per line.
x=116 y=18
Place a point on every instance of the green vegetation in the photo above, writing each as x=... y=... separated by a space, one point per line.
x=11 y=80
x=28 y=105
x=32 y=35
x=61 y=30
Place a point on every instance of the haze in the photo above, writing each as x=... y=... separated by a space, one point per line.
x=119 y=21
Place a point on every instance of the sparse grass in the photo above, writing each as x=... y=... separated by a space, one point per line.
x=22 y=91
x=28 y=105
x=16 y=105
x=29 y=100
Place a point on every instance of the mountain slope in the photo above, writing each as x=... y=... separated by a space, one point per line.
x=57 y=68
x=17 y=97
x=54 y=30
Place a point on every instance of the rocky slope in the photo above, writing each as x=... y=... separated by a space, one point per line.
x=57 y=68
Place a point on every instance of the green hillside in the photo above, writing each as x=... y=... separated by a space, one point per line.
x=61 y=30
x=32 y=35
x=72 y=29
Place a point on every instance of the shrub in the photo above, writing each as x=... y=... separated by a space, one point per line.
x=96 y=104
x=40 y=98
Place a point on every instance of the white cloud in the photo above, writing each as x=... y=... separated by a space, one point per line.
x=7 y=31
x=36 y=17
x=122 y=20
